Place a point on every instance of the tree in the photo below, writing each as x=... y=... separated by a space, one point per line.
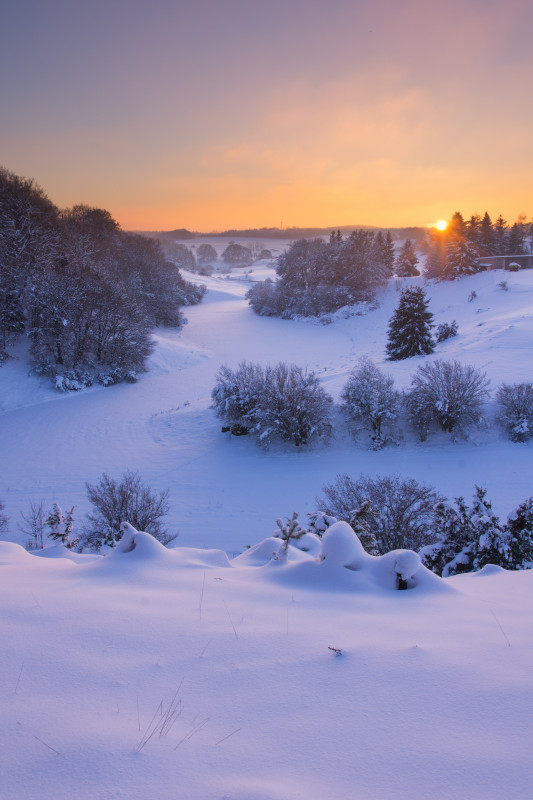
x=448 y=393
x=398 y=513
x=128 y=500
x=369 y=396
x=461 y=257
x=61 y=526
x=206 y=253
x=516 y=415
x=410 y=326
x=34 y=526
x=405 y=265
x=282 y=402
x=520 y=536
x=237 y=254
x=486 y=243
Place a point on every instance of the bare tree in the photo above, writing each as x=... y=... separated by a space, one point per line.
x=127 y=500
x=399 y=513
x=34 y=526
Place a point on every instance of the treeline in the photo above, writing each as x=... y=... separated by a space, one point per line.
x=85 y=292
x=460 y=248
x=315 y=276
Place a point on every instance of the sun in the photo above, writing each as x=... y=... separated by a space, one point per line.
x=441 y=225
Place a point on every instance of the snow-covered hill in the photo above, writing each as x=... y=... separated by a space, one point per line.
x=197 y=674
x=225 y=492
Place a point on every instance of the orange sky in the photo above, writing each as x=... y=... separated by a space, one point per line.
x=237 y=113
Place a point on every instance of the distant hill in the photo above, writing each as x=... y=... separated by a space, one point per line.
x=182 y=234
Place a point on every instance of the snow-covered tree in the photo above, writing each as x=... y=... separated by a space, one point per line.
x=206 y=253
x=237 y=254
x=461 y=257
x=369 y=396
x=516 y=415
x=520 y=536
x=237 y=393
x=128 y=500
x=387 y=512
x=281 y=402
x=448 y=393
x=405 y=265
x=409 y=331
x=294 y=407
x=452 y=551
x=61 y=526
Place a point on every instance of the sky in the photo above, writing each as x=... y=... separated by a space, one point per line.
x=217 y=114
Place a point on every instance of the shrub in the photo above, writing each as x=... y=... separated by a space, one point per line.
x=127 y=500
x=446 y=330
x=448 y=393
x=281 y=402
x=369 y=396
x=516 y=415
x=396 y=513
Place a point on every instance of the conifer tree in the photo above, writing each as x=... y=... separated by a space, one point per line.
x=410 y=326
x=520 y=529
x=486 y=236
x=407 y=260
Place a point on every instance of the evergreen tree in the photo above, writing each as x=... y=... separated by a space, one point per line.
x=435 y=265
x=520 y=530
x=405 y=266
x=461 y=257
x=516 y=243
x=500 y=236
x=491 y=541
x=452 y=554
x=486 y=236
x=410 y=326
x=388 y=255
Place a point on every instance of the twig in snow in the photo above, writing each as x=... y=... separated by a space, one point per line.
x=192 y=732
x=230 y=619
x=46 y=745
x=500 y=627
x=201 y=596
x=19 y=677
x=227 y=737
x=336 y=650
x=163 y=725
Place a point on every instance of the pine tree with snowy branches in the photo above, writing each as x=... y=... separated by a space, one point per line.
x=405 y=266
x=410 y=326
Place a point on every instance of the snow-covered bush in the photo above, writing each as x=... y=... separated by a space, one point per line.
x=516 y=415
x=369 y=396
x=469 y=538
x=446 y=330
x=128 y=500
x=236 y=393
x=206 y=253
x=410 y=326
x=387 y=512
x=448 y=393
x=281 y=402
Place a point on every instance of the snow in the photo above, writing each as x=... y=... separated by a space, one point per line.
x=227 y=648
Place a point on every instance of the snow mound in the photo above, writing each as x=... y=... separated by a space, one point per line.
x=60 y=551
x=341 y=546
x=172 y=352
x=11 y=553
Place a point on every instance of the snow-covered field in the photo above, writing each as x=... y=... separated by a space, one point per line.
x=431 y=696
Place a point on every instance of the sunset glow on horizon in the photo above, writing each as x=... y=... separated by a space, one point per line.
x=239 y=114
